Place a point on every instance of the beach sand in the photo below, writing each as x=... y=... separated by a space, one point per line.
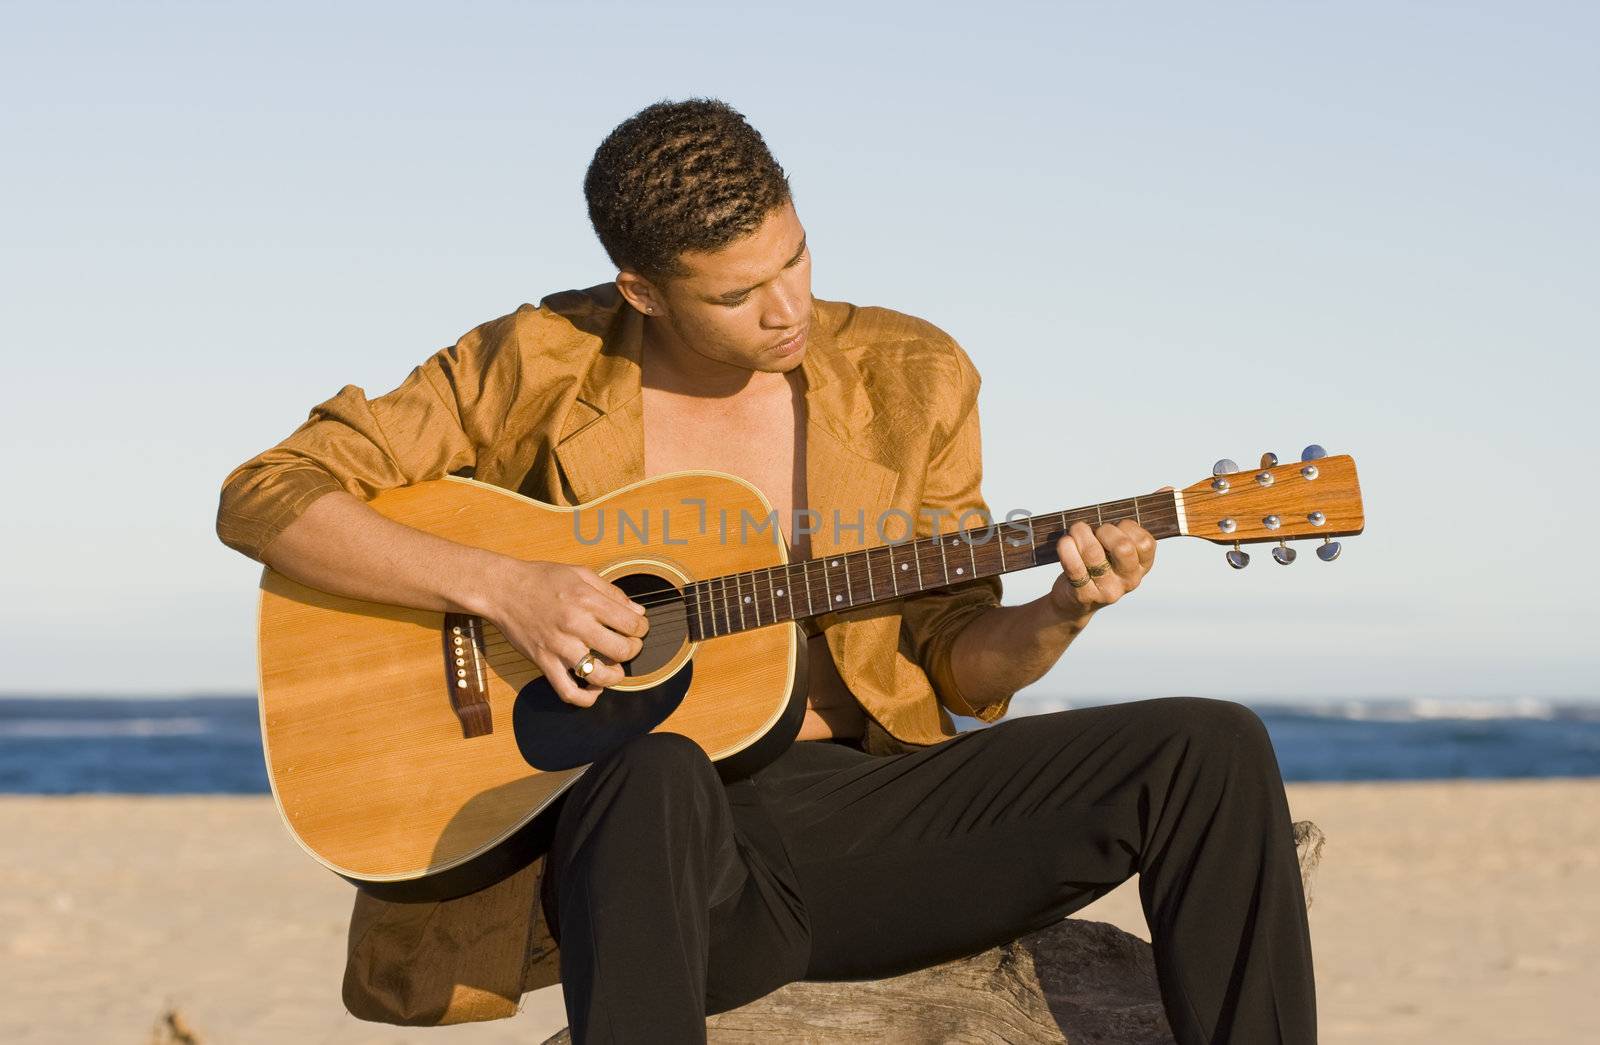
x=1443 y=912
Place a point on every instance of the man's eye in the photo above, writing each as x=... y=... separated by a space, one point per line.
x=736 y=302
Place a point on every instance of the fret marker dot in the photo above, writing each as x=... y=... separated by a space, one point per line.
x=780 y=593
x=747 y=598
x=834 y=563
x=905 y=566
x=838 y=598
x=960 y=570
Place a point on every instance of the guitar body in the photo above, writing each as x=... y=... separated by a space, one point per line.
x=422 y=761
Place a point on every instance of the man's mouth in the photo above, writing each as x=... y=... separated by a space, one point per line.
x=791 y=345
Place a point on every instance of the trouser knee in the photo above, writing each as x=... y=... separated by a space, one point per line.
x=651 y=762
x=643 y=779
x=1216 y=731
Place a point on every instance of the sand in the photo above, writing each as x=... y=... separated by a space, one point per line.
x=1443 y=912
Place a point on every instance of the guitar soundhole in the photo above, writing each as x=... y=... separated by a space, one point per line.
x=669 y=621
x=553 y=735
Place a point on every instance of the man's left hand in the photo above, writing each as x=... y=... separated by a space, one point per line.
x=1098 y=567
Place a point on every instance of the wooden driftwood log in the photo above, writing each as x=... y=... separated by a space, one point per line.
x=1080 y=982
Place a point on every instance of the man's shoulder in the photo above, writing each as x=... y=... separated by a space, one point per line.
x=569 y=321
x=589 y=310
x=885 y=342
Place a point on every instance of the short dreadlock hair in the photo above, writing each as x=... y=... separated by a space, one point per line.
x=680 y=176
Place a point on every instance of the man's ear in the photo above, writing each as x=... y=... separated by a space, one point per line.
x=641 y=293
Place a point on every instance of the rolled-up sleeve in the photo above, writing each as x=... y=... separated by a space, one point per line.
x=417 y=432
x=931 y=621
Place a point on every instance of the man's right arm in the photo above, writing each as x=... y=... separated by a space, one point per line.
x=300 y=508
x=340 y=545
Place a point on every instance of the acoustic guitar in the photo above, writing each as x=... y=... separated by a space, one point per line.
x=421 y=756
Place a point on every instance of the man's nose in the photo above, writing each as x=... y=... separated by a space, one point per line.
x=783 y=309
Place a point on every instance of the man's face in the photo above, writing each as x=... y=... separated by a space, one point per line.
x=748 y=304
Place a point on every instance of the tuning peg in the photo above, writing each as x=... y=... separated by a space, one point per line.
x=1238 y=558
x=1224 y=467
x=1269 y=459
x=1283 y=555
x=1313 y=453
x=1328 y=550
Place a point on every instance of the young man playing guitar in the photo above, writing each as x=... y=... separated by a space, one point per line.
x=881 y=841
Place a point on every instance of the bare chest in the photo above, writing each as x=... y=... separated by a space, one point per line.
x=762 y=443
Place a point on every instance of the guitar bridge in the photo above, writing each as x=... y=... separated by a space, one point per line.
x=464 y=674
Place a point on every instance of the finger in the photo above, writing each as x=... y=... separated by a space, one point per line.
x=1143 y=541
x=561 y=680
x=1089 y=547
x=608 y=643
x=607 y=673
x=619 y=618
x=577 y=651
x=610 y=591
x=1072 y=563
x=1122 y=552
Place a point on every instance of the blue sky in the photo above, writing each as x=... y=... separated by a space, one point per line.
x=1165 y=233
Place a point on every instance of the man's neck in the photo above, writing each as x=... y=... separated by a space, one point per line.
x=670 y=365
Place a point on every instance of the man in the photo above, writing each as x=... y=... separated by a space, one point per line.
x=673 y=894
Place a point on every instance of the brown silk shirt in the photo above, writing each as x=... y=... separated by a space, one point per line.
x=546 y=401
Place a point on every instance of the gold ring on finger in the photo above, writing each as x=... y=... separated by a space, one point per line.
x=1077 y=583
x=586 y=666
x=1100 y=570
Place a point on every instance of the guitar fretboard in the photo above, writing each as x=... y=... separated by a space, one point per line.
x=757 y=598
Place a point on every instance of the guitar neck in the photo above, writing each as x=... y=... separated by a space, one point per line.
x=811 y=587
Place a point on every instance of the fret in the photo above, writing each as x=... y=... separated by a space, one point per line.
x=972 y=554
x=872 y=591
x=916 y=555
x=827 y=585
x=805 y=572
x=849 y=596
x=1002 y=532
x=754 y=598
x=1136 y=517
x=944 y=562
x=738 y=600
x=772 y=593
x=894 y=579
x=722 y=596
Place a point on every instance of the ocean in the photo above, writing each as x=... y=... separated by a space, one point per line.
x=212 y=745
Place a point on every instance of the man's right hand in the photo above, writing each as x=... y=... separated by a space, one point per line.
x=554 y=614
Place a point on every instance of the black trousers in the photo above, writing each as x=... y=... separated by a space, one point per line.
x=674 y=895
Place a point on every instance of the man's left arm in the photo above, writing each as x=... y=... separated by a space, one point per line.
x=976 y=652
x=1007 y=648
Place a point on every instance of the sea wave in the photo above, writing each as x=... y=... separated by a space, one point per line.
x=84 y=729
x=1406 y=709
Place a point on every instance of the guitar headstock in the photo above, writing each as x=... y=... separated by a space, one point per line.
x=1318 y=496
